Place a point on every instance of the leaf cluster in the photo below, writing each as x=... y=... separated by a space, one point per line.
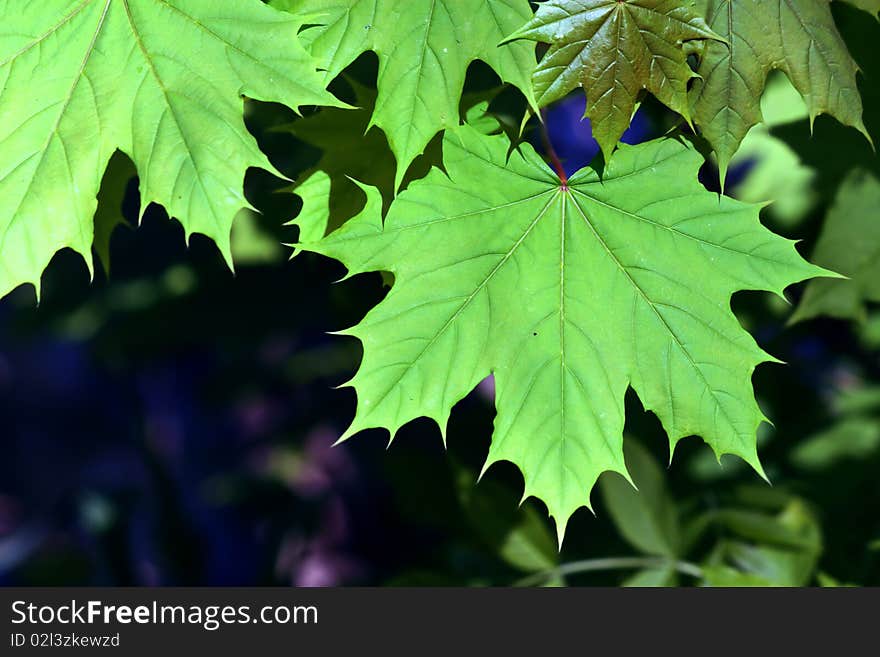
x=567 y=290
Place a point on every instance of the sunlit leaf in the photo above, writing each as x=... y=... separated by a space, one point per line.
x=568 y=293
x=160 y=80
x=424 y=49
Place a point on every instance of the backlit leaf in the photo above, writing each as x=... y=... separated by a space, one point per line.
x=568 y=293
x=160 y=80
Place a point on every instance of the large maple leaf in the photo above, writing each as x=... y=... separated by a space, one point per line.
x=614 y=49
x=568 y=294
x=424 y=49
x=162 y=81
x=796 y=36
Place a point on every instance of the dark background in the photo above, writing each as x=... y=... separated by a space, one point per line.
x=172 y=424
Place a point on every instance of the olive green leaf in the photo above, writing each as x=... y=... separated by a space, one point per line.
x=355 y=154
x=647 y=517
x=773 y=170
x=614 y=49
x=795 y=36
x=568 y=294
x=849 y=439
x=161 y=81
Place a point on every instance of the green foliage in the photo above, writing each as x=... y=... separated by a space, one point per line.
x=758 y=537
x=645 y=514
x=160 y=81
x=568 y=294
x=613 y=50
x=519 y=537
x=351 y=150
x=780 y=549
x=424 y=49
x=850 y=244
x=568 y=290
x=803 y=42
x=853 y=436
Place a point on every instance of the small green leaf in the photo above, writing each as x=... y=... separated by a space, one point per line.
x=782 y=555
x=767 y=529
x=252 y=244
x=773 y=171
x=850 y=401
x=827 y=581
x=314 y=217
x=826 y=145
x=870 y=6
x=726 y=576
x=352 y=150
x=517 y=534
x=646 y=517
x=849 y=439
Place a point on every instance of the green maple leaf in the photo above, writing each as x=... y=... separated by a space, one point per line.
x=849 y=243
x=613 y=50
x=160 y=80
x=795 y=36
x=424 y=49
x=568 y=294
